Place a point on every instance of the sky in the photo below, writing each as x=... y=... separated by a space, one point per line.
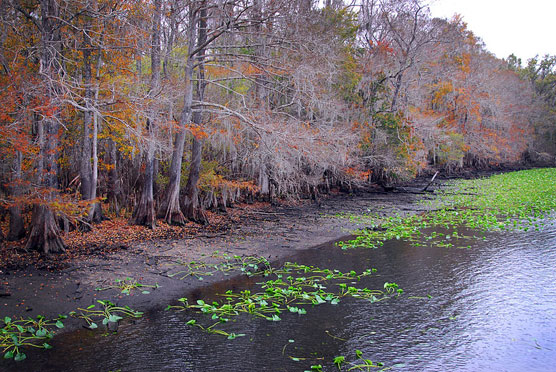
x=522 y=27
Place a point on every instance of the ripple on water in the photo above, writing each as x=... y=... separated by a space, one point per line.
x=493 y=307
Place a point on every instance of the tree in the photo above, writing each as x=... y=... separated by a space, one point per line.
x=144 y=213
x=45 y=234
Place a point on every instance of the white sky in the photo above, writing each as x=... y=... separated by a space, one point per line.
x=525 y=28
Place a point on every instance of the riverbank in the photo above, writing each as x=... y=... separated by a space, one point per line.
x=55 y=288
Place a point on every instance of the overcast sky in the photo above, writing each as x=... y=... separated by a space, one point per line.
x=525 y=28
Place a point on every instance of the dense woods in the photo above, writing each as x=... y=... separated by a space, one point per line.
x=164 y=109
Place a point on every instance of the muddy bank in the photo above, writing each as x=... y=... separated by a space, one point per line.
x=272 y=232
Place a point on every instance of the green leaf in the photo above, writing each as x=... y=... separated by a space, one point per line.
x=20 y=357
x=191 y=322
x=114 y=318
x=145 y=292
x=90 y=307
x=41 y=333
x=46 y=346
x=7 y=320
x=59 y=324
x=339 y=360
x=93 y=326
x=8 y=355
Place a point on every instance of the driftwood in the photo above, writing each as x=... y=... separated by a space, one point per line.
x=431 y=182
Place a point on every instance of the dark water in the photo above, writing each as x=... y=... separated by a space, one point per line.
x=493 y=308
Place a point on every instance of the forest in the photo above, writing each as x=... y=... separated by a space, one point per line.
x=161 y=110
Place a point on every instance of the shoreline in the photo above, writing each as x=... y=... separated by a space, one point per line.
x=272 y=232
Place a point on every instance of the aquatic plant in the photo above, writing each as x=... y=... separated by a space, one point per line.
x=292 y=288
x=511 y=201
x=127 y=285
x=360 y=364
x=22 y=333
x=248 y=265
x=106 y=313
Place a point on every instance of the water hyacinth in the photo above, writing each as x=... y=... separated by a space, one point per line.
x=512 y=201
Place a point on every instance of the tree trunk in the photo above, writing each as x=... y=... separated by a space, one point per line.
x=191 y=206
x=86 y=170
x=170 y=207
x=114 y=184
x=144 y=211
x=88 y=173
x=95 y=214
x=45 y=235
x=17 y=225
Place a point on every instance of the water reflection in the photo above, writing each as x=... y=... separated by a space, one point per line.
x=492 y=307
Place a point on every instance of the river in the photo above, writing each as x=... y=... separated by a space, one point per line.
x=489 y=307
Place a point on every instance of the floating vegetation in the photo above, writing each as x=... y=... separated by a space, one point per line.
x=360 y=364
x=511 y=201
x=107 y=313
x=127 y=285
x=248 y=265
x=292 y=289
x=18 y=334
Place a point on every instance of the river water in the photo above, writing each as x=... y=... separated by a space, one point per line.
x=492 y=307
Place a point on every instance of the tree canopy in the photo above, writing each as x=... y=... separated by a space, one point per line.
x=167 y=108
